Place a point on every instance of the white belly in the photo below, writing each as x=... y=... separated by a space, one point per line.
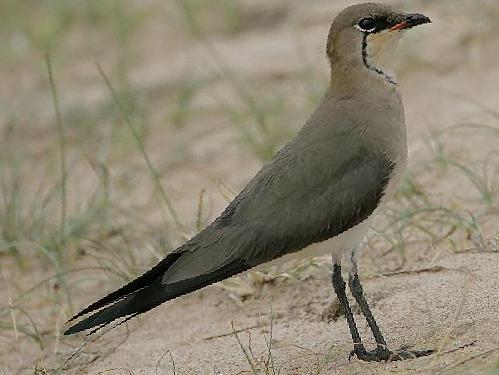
x=345 y=247
x=340 y=247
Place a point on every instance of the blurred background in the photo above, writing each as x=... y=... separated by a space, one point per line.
x=125 y=126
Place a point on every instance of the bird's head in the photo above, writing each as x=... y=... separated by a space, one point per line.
x=366 y=36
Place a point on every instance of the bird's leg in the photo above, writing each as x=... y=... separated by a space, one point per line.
x=358 y=293
x=339 y=287
x=381 y=353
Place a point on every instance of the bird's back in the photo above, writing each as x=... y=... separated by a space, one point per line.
x=303 y=195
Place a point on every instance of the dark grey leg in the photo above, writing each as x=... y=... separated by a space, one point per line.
x=358 y=293
x=381 y=353
x=339 y=287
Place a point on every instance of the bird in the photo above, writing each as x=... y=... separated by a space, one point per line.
x=324 y=186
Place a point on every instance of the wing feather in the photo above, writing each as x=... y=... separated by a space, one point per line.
x=319 y=185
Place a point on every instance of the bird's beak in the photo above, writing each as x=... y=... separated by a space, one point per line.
x=410 y=21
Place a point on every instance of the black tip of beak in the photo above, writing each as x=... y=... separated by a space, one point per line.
x=416 y=19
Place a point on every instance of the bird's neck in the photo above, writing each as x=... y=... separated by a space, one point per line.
x=378 y=57
x=371 y=63
x=358 y=77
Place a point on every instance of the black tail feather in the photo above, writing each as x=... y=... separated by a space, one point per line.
x=123 y=321
x=149 y=297
x=139 y=283
x=131 y=305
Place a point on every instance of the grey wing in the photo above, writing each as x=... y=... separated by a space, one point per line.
x=309 y=192
x=305 y=195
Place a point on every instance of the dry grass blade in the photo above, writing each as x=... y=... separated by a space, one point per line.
x=243 y=349
x=62 y=148
x=145 y=155
x=172 y=360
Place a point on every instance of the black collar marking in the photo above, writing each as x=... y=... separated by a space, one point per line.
x=372 y=67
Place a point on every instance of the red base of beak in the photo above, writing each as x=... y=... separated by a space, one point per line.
x=400 y=26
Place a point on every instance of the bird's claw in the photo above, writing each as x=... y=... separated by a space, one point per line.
x=381 y=354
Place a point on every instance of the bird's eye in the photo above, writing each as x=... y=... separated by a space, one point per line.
x=367 y=24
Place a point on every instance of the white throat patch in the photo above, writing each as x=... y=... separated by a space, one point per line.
x=378 y=53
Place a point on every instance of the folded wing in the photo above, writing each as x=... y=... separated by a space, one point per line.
x=314 y=189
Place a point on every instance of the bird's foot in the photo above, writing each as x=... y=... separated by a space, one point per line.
x=381 y=354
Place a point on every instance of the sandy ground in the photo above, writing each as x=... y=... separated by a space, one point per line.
x=441 y=299
x=450 y=307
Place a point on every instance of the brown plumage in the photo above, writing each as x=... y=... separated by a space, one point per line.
x=324 y=185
